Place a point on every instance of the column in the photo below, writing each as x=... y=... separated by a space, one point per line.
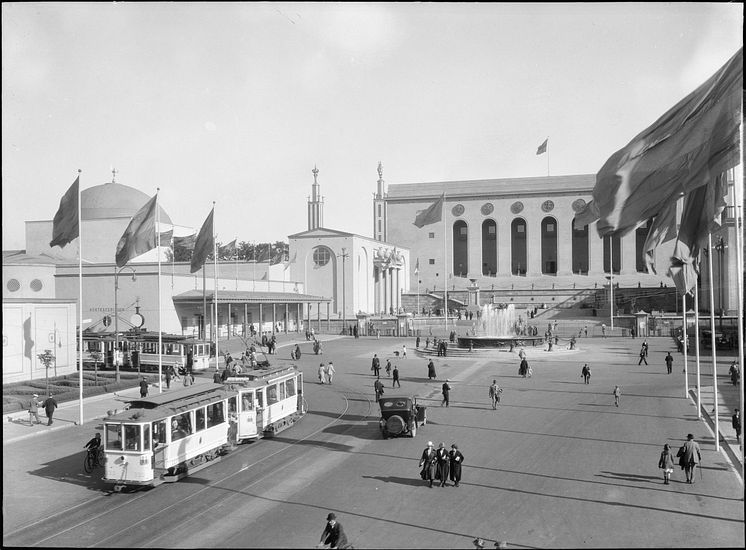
x=564 y=246
x=274 y=317
x=503 y=247
x=533 y=245
x=384 y=293
x=595 y=252
x=261 y=320
x=229 y=321
x=628 y=254
x=297 y=318
x=245 y=319
x=286 y=318
x=328 y=318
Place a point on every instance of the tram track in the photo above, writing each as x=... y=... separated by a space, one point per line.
x=86 y=524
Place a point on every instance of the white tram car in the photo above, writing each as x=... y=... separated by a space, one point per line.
x=168 y=436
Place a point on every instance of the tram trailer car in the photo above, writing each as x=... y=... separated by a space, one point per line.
x=168 y=436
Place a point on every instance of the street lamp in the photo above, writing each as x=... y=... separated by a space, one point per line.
x=344 y=257
x=116 y=315
x=720 y=246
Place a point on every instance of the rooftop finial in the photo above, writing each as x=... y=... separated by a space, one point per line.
x=380 y=169
x=113 y=175
x=315 y=173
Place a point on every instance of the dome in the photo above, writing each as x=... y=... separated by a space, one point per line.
x=114 y=200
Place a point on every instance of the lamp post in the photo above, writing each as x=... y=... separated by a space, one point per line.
x=344 y=257
x=720 y=246
x=116 y=315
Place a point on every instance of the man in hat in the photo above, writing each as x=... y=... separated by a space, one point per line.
x=456 y=459
x=690 y=455
x=143 y=387
x=333 y=535
x=442 y=457
x=428 y=463
x=33 y=410
x=49 y=405
x=446 y=392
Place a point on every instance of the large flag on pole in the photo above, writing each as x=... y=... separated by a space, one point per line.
x=433 y=214
x=543 y=147
x=140 y=235
x=65 y=227
x=228 y=250
x=291 y=261
x=204 y=244
x=686 y=148
x=166 y=237
x=185 y=242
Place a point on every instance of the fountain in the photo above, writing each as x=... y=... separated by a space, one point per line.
x=496 y=327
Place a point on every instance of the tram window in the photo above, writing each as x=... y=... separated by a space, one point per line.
x=259 y=399
x=272 y=394
x=146 y=437
x=159 y=433
x=114 y=437
x=281 y=387
x=181 y=426
x=132 y=438
x=247 y=402
x=291 y=387
x=215 y=414
x=199 y=417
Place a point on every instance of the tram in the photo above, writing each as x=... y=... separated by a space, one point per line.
x=140 y=351
x=169 y=436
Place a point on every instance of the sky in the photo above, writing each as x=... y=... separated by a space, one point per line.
x=237 y=102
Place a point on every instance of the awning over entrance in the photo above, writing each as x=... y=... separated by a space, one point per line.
x=248 y=297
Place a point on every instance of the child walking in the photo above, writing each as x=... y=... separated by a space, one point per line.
x=666 y=463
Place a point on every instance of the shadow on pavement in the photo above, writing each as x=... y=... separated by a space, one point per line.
x=69 y=469
x=400 y=480
x=356 y=430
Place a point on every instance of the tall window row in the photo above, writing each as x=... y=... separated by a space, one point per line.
x=580 y=249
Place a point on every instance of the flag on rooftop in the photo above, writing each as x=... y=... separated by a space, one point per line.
x=204 y=244
x=228 y=250
x=292 y=260
x=543 y=147
x=139 y=237
x=433 y=214
x=262 y=256
x=65 y=227
x=165 y=238
x=688 y=147
x=278 y=257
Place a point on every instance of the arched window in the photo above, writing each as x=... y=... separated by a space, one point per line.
x=641 y=235
x=518 y=251
x=549 y=246
x=460 y=248
x=579 y=249
x=489 y=248
x=612 y=252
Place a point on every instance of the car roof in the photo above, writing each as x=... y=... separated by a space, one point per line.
x=396 y=402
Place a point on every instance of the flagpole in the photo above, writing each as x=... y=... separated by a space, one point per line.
x=686 y=371
x=445 y=256
x=738 y=214
x=712 y=342
x=160 y=317
x=696 y=347
x=204 y=303
x=611 y=278
x=215 y=293
x=80 y=300
x=548 y=158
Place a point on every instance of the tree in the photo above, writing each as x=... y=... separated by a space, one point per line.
x=47 y=358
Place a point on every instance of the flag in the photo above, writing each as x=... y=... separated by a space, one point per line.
x=278 y=258
x=292 y=261
x=65 y=227
x=543 y=147
x=417 y=267
x=139 y=237
x=263 y=255
x=185 y=242
x=699 y=218
x=687 y=147
x=164 y=238
x=204 y=244
x=432 y=214
x=228 y=250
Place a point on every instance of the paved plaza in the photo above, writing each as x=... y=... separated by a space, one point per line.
x=557 y=465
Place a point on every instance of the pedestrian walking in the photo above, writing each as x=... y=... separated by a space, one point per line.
x=404 y=351
x=378 y=388
x=617 y=395
x=523 y=368
x=49 y=405
x=456 y=459
x=442 y=464
x=396 y=377
x=417 y=343
x=689 y=456
x=188 y=379
x=585 y=373
x=223 y=375
x=333 y=535
x=168 y=376
x=669 y=362
x=321 y=373
x=666 y=463
x=736 y=423
x=388 y=367
x=428 y=463
x=446 y=393
x=33 y=410
x=376 y=366
x=330 y=372
x=431 y=370
x=297 y=352
x=734 y=373
x=143 y=387
x=217 y=378
x=495 y=392
x=643 y=356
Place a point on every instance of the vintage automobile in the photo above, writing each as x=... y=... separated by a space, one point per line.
x=400 y=416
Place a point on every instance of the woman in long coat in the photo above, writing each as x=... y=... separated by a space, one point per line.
x=428 y=463
x=456 y=459
x=442 y=458
x=431 y=370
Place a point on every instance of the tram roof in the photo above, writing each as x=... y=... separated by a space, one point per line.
x=260 y=377
x=148 y=409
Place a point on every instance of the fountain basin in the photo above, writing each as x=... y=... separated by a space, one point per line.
x=499 y=341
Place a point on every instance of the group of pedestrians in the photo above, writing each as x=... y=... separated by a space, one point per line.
x=326 y=372
x=441 y=464
x=49 y=405
x=689 y=456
